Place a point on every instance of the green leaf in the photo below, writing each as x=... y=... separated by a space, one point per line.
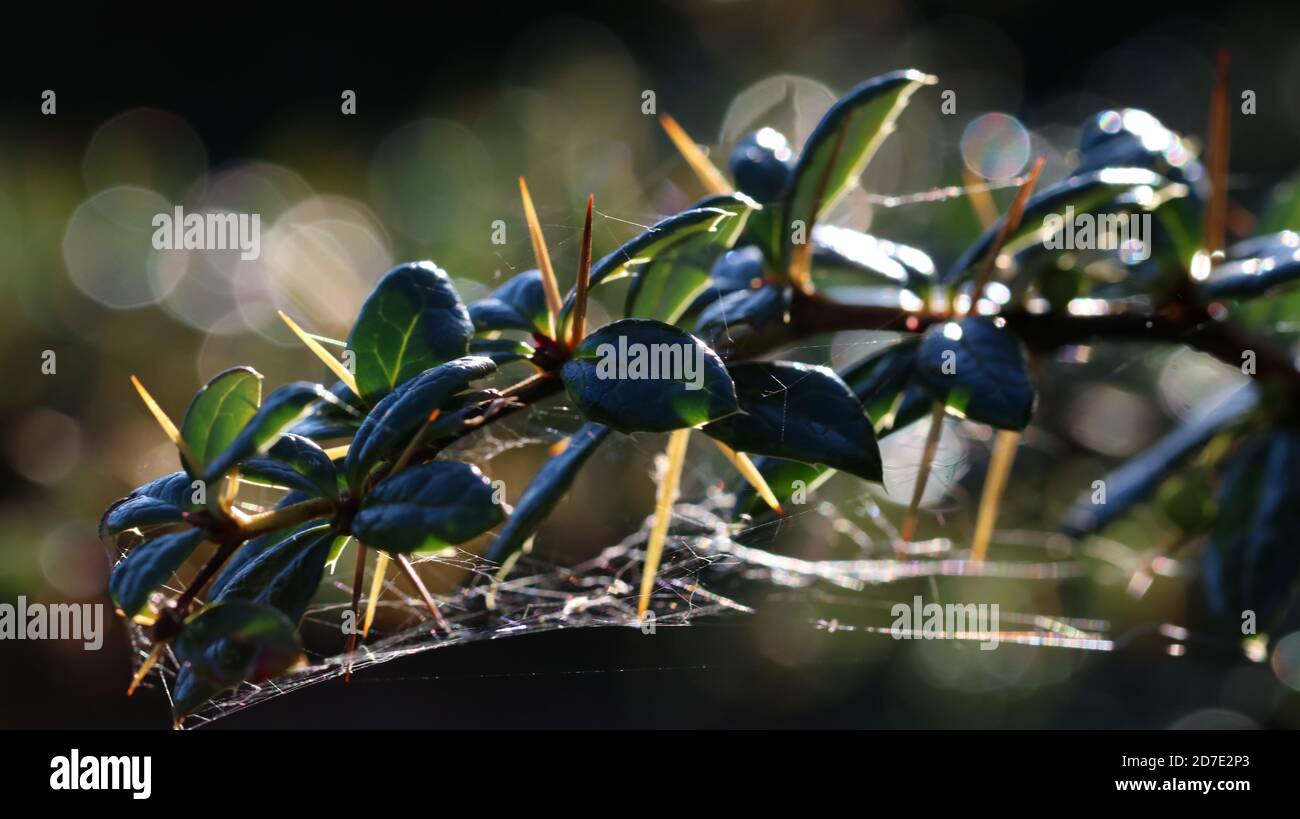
x=1252 y=562
x=800 y=412
x=333 y=419
x=232 y=642
x=148 y=566
x=978 y=369
x=914 y=404
x=189 y=692
x=519 y=304
x=838 y=150
x=1139 y=477
x=785 y=477
x=1274 y=262
x=336 y=551
x=739 y=269
x=282 y=409
x=252 y=548
x=545 y=491
x=1132 y=138
x=501 y=350
x=661 y=238
x=285 y=575
x=879 y=379
x=642 y=375
x=880 y=383
x=666 y=286
x=412 y=321
x=845 y=256
x=160 y=502
x=218 y=412
x=744 y=311
x=428 y=507
x=399 y=416
x=1096 y=191
x=294 y=462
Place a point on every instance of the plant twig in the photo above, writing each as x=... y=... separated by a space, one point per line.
x=292 y=515
x=429 y=602
x=358 y=577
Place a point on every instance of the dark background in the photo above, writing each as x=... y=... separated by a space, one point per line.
x=248 y=83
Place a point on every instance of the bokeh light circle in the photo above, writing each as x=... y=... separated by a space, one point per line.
x=995 y=146
x=1286 y=661
x=148 y=148
x=426 y=178
x=108 y=247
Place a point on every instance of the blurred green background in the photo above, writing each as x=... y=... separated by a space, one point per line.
x=449 y=112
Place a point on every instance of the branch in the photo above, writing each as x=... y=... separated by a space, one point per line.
x=811 y=314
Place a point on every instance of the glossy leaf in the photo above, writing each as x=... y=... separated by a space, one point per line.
x=838 y=150
x=545 y=490
x=252 y=548
x=236 y=641
x=666 y=286
x=425 y=507
x=1252 y=562
x=189 y=693
x=285 y=575
x=294 y=462
x=519 y=304
x=662 y=237
x=414 y=320
x=914 y=404
x=218 y=413
x=641 y=375
x=1084 y=192
x=501 y=350
x=158 y=503
x=1132 y=138
x=1138 y=478
x=742 y=312
x=1277 y=263
x=799 y=412
x=842 y=254
x=333 y=419
x=281 y=410
x=785 y=477
x=148 y=566
x=739 y=269
x=979 y=370
x=879 y=379
x=399 y=416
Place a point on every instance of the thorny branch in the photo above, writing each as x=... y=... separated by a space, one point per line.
x=810 y=314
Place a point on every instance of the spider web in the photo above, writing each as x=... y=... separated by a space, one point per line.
x=706 y=574
x=602 y=592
